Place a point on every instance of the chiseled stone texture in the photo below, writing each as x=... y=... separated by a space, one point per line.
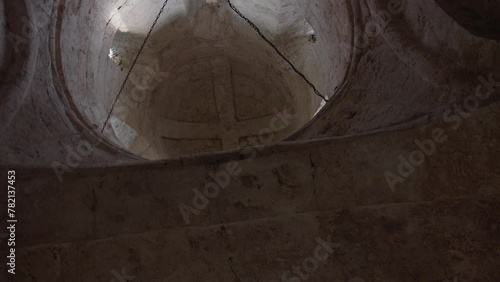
x=431 y=241
x=441 y=223
x=324 y=175
x=114 y=214
x=430 y=61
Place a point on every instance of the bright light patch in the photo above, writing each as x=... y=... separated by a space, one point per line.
x=117 y=20
x=323 y=103
x=111 y=53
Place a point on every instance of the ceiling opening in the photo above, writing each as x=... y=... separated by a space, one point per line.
x=205 y=80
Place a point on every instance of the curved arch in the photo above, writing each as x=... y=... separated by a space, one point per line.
x=22 y=41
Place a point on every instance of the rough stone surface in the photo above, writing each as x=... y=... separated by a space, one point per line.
x=399 y=169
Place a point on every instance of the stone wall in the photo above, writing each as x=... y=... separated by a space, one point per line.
x=399 y=170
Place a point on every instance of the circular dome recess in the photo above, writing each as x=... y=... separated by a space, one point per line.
x=204 y=82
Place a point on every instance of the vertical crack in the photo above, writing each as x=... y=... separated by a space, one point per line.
x=133 y=64
x=223 y=236
x=314 y=168
x=232 y=270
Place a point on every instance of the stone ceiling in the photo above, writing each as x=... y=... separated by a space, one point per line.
x=212 y=82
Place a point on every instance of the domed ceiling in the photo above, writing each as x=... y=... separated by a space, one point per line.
x=206 y=81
